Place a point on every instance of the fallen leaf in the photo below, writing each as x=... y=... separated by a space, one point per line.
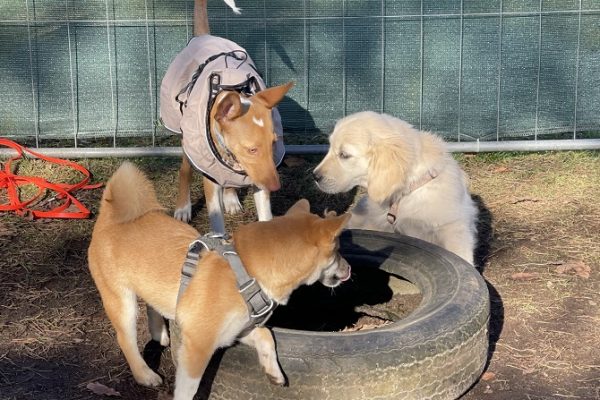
x=362 y=327
x=488 y=376
x=501 y=169
x=102 y=390
x=329 y=214
x=524 y=276
x=579 y=268
x=293 y=161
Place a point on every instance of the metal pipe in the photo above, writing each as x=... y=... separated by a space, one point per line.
x=460 y=147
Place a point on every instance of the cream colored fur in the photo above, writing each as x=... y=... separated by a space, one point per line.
x=390 y=158
x=137 y=251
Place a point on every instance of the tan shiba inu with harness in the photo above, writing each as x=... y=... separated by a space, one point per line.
x=224 y=291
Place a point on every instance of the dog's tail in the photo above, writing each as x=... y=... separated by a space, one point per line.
x=201 y=26
x=128 y=195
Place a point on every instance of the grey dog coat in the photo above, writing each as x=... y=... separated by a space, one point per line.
x=188 y=112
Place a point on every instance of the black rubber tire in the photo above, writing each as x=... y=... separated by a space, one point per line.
x=437 y=352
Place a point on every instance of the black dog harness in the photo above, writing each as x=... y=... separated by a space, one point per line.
x=260 y=306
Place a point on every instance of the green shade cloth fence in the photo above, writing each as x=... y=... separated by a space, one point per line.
x=468 y=70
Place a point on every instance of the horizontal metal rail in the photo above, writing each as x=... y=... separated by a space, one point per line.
x=460 y=147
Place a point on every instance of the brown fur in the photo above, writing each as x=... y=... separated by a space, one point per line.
x=251 y=143
x=138 y=251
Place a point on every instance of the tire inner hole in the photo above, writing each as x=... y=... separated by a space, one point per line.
x=372 y=298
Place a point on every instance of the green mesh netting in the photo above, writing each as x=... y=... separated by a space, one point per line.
x=465 y=69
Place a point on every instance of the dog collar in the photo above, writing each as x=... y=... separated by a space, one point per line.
x=220 y=150
x=260 y=306
x=218 y=147
x=394 y=204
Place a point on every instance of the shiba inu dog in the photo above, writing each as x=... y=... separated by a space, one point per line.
x=137 y=250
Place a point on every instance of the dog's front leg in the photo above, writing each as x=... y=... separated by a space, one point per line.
x=213 y=193
x=262 y=200
x=262 y=340
x=183 y=209
x=231 y=201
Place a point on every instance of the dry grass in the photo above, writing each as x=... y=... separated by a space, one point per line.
x=542 y=212
x=545 y=215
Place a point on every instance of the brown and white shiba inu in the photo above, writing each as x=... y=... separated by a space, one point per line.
x=138 y=251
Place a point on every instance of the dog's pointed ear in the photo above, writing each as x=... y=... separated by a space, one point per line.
x=331 y=227
x=228 y=106
x=302 y=206
x=272 y=96
x=387 y=173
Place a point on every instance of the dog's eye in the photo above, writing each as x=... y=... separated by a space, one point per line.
x=344 y=156
x=253 y=150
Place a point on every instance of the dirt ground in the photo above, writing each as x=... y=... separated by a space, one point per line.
x=540 y=255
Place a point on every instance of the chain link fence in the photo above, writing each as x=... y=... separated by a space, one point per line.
x=87 y=73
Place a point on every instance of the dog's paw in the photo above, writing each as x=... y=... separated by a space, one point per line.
x=147 y=377
x=231 y=202
x=161 y=336
x=164 y=338
x=278 y=380
x=184 y=214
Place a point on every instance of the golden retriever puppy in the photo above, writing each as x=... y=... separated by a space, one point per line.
x=413 y=184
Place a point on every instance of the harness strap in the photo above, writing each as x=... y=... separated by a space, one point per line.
x=260 y=306
x=191 y=262
x=238 y=55
x=395 y=204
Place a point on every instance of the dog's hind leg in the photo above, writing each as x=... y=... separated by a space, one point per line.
x=157 y=326
x=231 y=201
x=262 y=340
x=262 y=200
x=213 y=193
x=121 y=308
x=183 y=210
